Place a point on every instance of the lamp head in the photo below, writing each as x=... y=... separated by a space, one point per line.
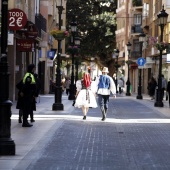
x=142 y=37
x=73 y=26
x=162 y=17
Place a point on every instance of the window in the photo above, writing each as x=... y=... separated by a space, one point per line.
x=137 y=19
x=136 y=45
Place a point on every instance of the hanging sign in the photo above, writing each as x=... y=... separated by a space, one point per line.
x=17 y=19
x=25 y=45
x=32 y=31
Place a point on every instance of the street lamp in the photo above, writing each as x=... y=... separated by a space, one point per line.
x=117 y=55
x=77 y=43
x=128 y=63
x=72 y=85
x=7 y=145
x=162 y=20
x=58 y=90
x=141 y=40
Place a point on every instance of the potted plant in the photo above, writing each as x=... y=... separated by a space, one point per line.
x=159 y=45
x=59 y=34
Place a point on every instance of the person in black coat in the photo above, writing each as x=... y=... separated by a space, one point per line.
x=19 y=104
x=168 y=90
x=27 y=93
x=151 y=87
x=37 y=92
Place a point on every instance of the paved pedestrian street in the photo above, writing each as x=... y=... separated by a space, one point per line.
x=135 y=136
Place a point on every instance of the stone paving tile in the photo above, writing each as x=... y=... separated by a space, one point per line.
x=111 y=146
x=135 y=140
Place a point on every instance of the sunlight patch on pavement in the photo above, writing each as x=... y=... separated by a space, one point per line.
x=95 y=119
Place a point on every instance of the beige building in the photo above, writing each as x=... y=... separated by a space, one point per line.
x=42 y=16
x=133 y=18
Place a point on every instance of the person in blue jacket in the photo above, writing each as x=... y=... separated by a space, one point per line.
x=106 y=86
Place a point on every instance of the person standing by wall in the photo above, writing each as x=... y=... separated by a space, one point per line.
x=151 y=87
x=105 y=86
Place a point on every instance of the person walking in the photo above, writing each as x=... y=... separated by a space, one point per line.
x=168 y=90
x=164 y=85
x=151 y=87
x=120 y=84
x=67 y=84
x=106 y=86
x=28 y=93
x=85 y=98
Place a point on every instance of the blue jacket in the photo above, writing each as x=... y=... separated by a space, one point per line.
x=104 y=82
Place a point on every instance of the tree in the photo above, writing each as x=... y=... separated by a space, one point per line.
x=96 y=24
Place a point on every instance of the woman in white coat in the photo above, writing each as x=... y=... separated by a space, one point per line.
x=85 y=97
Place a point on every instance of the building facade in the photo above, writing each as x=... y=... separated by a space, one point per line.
x=140 y=16
x=42 y=16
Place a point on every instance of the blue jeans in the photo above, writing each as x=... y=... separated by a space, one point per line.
x=103 y=101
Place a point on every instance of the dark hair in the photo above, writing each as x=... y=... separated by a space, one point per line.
x=30 y=68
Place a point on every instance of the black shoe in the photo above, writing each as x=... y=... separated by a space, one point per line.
x=19 y=120
x=104 y=118
x=32 y=120
x=84 y=118
x=27 y=125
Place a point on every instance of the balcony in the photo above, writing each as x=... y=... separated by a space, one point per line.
x=40 y=23
x=135 y=55
x=137 y=3
x=136 y=29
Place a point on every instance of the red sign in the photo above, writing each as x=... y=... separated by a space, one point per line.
x=17 y=19
x=25 y=45
x=32 y=31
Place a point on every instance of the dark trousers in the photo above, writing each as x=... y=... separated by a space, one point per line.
x=169 y=97
x=67 y=91
x=103 y=101
x=27 y=108
x=120 y=90
x=163 y=89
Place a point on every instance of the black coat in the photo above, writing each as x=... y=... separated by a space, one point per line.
x=168 y=87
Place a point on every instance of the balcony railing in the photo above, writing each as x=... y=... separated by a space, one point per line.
x=135 y=54
x=40 y=23
x=136 y=29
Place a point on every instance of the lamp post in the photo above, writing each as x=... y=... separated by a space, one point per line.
x=128 y=80
x=72 y=85
x=7 y=145
x=77 y=43
x=141 y=40
x=58 y=90
x=162 y=20
x=117 y=54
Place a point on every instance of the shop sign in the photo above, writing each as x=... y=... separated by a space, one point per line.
x=23 y=45
x=49 y=63
x=32 y=31
x=10 y=39
x=17 y=19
